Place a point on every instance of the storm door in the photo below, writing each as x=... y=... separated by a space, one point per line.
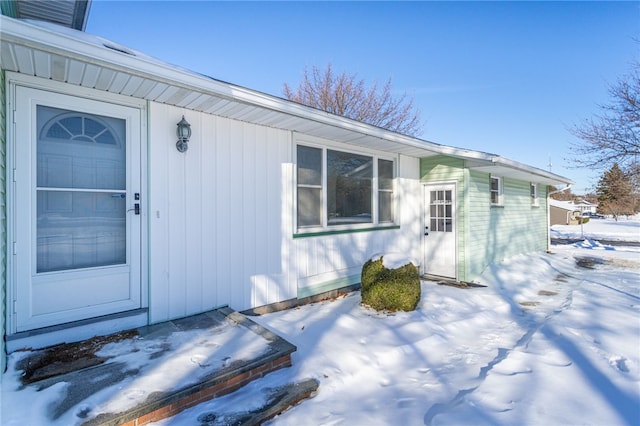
x=440 y=230
x=77 y=214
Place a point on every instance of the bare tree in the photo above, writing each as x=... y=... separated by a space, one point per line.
x=346 y=95
x=614 y=135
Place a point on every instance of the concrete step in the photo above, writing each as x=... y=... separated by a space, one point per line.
x=98 y=371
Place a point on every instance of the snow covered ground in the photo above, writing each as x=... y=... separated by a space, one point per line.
x=554 y=339
x=624 y=229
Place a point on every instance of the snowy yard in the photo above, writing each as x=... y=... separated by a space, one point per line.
x=553 y=339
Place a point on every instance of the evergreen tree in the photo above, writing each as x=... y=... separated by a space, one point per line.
x=615 y=193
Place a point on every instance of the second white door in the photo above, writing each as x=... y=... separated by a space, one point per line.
x=440 y=230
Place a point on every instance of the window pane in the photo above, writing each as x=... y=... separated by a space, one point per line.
x=309 y=166
x=349 y=181
x=496 y=190
x=385 y=201
x=80 y=230
x=385 y=191
x=79 y=150
x=77 y=227
x=495 y=184
x=309 y=206
x=385 y=174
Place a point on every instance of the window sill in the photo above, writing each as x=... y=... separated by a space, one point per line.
x=344 y=231
x=497 y=206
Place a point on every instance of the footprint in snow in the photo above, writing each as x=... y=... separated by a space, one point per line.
x=385 y=382
x=201 y=360
x=619 y=363
x=208 y=344
x=135 y=393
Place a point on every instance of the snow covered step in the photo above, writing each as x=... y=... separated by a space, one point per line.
x=146 y=374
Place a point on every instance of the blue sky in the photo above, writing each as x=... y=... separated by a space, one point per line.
x=503 y=77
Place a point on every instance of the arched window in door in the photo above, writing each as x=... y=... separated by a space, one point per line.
x=79 y=127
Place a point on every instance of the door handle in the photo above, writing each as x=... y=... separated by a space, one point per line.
x=136 y=206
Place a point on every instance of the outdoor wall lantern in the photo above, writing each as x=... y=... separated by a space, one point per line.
x=184 y=133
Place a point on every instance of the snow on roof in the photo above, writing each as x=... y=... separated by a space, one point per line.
x=565 y=205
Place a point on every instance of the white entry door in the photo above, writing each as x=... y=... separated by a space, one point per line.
x=440 y=230
x=77 y=208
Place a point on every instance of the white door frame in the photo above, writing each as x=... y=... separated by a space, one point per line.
x=68 y=92
x=452 y=253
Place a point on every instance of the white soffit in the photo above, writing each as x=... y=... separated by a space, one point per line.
x=70 y=13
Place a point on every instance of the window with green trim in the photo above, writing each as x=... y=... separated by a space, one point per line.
x=337 y=189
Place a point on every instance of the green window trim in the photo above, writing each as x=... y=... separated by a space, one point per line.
x=344 y=231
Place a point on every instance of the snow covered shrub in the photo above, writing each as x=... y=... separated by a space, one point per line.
x=390 y=289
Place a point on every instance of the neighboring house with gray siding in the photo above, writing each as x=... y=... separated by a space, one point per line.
x=109 y=226
x=563 y=213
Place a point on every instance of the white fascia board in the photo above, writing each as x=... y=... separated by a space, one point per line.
x=503 y=166
x=540 y=173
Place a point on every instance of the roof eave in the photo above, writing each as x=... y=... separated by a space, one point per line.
x=144 y=67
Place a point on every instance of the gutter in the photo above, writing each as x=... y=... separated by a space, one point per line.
x=497 y=160
x=569 y=185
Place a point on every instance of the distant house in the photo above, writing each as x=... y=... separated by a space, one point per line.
x=585 y=207
x=563 y=213
x=109 y=226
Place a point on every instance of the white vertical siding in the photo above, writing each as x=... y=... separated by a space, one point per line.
x=221 y=220
x=216 y=215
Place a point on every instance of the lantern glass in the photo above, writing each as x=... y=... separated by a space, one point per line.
x=184 y=129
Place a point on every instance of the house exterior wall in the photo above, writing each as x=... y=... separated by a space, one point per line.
x=487 y=233
x=497 y=232
x=560 y=216
x=448 y=169
x=221 y=225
